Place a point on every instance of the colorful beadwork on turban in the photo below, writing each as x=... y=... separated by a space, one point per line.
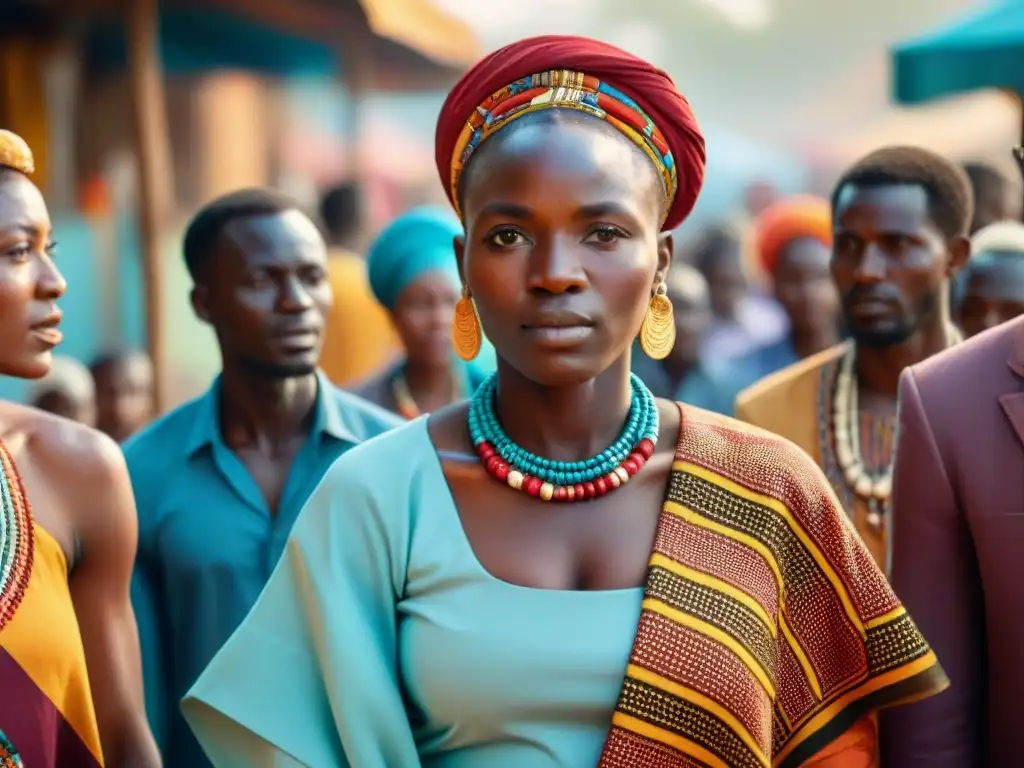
x=417 y=242
x=577 y=73
x=792 y=218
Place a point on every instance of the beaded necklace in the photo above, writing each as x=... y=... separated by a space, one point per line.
x=9 y=758
x=16 y=542
x=874 y=487
x=564 y=480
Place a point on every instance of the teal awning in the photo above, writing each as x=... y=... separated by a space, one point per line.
x=198 y=41
x=985 y=50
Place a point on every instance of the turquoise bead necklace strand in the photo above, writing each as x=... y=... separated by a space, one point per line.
x=564 y=481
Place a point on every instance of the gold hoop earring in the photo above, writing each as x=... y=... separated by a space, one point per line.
x=466 y=334
x=658 y=332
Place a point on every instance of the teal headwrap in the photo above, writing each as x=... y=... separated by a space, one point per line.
x=418 y=241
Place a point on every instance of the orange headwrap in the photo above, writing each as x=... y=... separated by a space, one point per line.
x=790 y=219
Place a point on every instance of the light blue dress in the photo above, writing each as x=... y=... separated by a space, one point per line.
x=381 y=641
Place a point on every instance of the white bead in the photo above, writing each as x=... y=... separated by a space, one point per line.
x=846 y=429
x=844 y=455
x=853 y=473
x=863 y=486
x=883 y=487
x=515 y=479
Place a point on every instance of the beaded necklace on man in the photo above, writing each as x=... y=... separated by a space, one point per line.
x=868 y=480
x=564 y=481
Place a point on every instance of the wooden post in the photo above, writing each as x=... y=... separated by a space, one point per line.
x=153 y=157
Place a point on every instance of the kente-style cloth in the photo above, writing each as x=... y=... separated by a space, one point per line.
x=767 y=629
x=582 y=74
x=793 y=218
x=797 y=403
x=764 y=632
x=417 y=242
x=47 y=718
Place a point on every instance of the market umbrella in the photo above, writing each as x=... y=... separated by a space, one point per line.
x=983 y=50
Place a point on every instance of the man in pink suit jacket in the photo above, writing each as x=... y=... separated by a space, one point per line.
x=957 y=551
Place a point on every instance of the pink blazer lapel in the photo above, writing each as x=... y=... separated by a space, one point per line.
x=1013 y=402
x=1013 y=407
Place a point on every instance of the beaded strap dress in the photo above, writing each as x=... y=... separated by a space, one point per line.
x=47 y=718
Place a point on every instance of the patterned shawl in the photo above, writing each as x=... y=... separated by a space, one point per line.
x=767 y=629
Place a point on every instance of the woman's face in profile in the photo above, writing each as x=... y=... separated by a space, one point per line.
x=30 y=282
x=563 y=217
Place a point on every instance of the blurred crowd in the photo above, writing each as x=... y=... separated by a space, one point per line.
x=753 y=294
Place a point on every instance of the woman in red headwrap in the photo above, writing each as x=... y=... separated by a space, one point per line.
x=566 y=571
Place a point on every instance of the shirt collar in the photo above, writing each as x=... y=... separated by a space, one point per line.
x=329 y=418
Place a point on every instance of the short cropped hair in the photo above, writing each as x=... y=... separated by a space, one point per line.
x=985 y=180
x=950 y=200
x=209 y=222
x=113 y=357
x=709 y=246
x=341 y=210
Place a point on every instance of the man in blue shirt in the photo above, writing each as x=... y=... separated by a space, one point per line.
x=219 y=481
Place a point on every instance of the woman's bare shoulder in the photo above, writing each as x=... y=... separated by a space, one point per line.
x=65 y=452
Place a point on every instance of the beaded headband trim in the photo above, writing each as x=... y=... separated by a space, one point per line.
x=565 y=90
x=15 y=153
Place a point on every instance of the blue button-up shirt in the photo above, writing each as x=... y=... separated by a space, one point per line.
x=208 y=542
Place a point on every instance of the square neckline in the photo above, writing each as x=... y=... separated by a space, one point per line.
x=444 y=493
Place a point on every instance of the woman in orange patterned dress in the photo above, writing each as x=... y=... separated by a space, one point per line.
x=70 y=690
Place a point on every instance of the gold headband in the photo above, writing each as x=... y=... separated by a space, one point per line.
x=15 y=153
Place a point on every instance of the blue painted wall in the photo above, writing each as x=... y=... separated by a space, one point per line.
x=77 y=258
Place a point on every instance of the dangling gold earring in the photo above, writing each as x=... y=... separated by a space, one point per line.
x=658 y=332
x=466 y=335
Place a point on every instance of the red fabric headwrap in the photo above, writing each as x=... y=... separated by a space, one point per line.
x=649 y=86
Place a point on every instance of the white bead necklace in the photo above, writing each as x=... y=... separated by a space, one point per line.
x=877 y=489
x=846 y=428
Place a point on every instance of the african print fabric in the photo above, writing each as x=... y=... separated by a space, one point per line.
x=566 y=90
x=46 y=711
x=767 y=630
